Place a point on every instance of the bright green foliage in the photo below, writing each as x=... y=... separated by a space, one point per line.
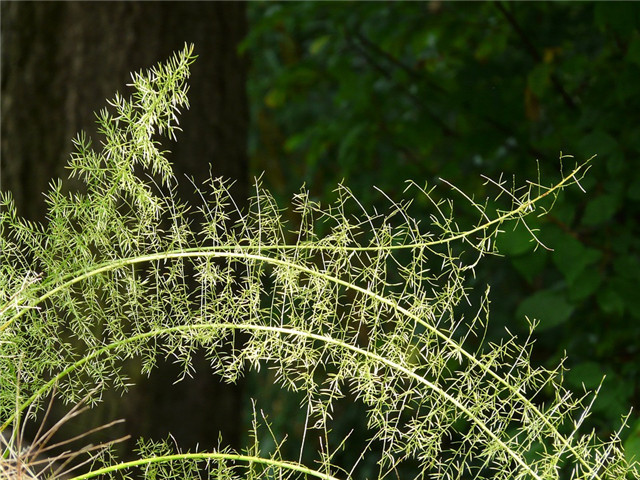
x=376 y=93
x=369 y=309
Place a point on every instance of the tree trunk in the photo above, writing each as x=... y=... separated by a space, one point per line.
x=60 y=61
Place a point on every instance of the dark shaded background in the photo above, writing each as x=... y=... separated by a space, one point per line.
x=62 y=60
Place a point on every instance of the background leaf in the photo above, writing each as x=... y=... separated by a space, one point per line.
x=548 y=306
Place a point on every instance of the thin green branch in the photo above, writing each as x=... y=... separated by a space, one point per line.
x=284 y=331
x=222 y=251
x=200 y=456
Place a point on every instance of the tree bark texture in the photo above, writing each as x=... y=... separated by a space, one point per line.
x=60 y=61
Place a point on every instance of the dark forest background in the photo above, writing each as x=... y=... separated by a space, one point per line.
x=372 y=94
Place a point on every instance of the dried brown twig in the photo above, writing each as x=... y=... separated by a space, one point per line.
x=40 y=458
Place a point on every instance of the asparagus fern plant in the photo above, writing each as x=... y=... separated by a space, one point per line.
x=369 y=306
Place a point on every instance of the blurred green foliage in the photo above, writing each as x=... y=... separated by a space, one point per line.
x=373 y=94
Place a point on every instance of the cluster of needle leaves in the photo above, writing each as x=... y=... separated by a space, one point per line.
x=334 y=303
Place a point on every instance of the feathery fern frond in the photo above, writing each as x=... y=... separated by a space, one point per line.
x=370 y=308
